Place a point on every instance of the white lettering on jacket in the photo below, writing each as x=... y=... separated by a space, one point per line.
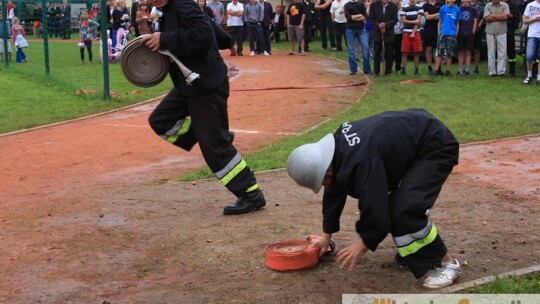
x=352 y=138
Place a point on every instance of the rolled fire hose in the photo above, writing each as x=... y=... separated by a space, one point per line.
x=291 y=255
x=294 y=255
x=145 y=68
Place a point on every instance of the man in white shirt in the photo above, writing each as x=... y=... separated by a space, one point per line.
x=340 y=22
x=235 y=25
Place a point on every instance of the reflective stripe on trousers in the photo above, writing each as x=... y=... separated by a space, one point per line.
x=412 y=242
x=180 y=128
x=235 y=166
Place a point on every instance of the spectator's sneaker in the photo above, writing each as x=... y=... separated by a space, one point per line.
x=250 y=201
x=431 y=73
x=439 y=73
x=442 y=276
x=402 y=71
x=459 y=73
x=466 y=73
x=448 y=73
x=416 y=72
x=476 y=71
x=265 y=53
x=538 y=82
x=252 y=54
x=528 y=80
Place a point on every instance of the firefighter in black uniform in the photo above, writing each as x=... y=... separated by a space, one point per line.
x=198 y=113
x=395 y=164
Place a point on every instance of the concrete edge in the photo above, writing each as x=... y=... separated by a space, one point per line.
x=460 y=287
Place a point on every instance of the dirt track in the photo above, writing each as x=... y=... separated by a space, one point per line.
x=89 y=212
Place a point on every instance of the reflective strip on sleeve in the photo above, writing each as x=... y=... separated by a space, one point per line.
x=232 y=169
x=180 y=128
x=411 y=243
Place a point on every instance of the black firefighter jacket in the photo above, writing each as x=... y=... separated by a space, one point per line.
x=188 y=34
x=371 y=157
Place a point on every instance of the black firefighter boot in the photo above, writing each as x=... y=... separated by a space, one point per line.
x=250 y=201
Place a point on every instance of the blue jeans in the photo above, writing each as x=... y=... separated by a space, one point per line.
x=255 y=34
x=533 y=49
x=363 y=38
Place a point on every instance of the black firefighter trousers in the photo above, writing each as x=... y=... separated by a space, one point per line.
x=418 y=241
x=187 y=120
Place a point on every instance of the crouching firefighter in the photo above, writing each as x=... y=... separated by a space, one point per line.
x=395 y=164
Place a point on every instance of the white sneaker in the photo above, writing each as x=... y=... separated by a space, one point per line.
x=443 y=276
x=266 y=53
x=252 y=54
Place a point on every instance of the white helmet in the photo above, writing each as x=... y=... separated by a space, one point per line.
x=308 y=163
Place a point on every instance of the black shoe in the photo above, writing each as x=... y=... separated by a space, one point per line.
x=448 y=73
x=400 y=263
x=250 y=201
x=239 y=54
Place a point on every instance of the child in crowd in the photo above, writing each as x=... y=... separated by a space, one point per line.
x=465 y=39
x=449 y=17
x=87 y=26
x=411 y=16
x=18 y=32
x=143 y=19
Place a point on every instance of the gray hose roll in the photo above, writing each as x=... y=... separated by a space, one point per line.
x=143 y=67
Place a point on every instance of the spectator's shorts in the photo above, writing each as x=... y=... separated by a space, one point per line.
x=295 y=33
x=446 y=46
x=533 y=49
x=465 y=43
x=478 y=39
x=430 y=39
x=411 y=45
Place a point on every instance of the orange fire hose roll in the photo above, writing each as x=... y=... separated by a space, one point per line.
x=291 y=255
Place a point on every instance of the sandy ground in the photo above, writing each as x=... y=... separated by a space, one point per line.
x=90 y=211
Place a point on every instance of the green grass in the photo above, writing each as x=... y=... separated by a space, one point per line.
x=528 y=284
x=32 y=98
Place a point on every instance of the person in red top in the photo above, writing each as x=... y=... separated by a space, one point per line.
x=18 y=33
